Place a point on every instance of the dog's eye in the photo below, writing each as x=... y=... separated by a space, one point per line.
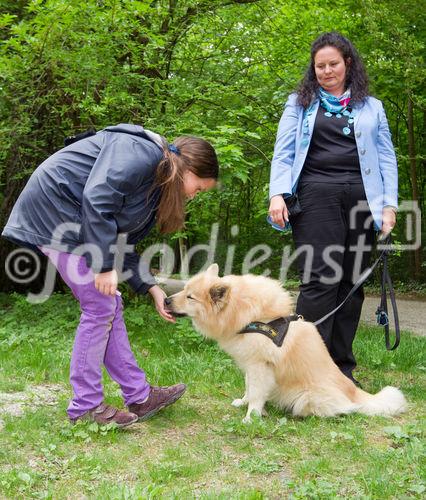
x=189 y=297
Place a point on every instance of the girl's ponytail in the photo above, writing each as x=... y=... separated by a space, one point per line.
x=186 y=153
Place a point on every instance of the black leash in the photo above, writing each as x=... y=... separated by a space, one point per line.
x=382 y=310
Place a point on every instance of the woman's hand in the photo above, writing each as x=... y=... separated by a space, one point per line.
x=278 y=210
x=388 y=220
x=159 y=295
x=106 y=283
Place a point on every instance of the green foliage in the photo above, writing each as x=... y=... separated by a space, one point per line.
x=219 y=69
x=83 y=431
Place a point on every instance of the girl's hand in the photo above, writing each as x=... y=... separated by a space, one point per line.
x=106 y=283
x=278 y=210
x=159 y=295
x=388 y=220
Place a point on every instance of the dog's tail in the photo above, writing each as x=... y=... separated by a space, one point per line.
x=389 y=401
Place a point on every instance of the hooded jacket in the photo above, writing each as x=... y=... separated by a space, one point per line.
x=90 y=192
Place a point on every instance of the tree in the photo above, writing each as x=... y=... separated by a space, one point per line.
x=395 y=53
x=220 y=69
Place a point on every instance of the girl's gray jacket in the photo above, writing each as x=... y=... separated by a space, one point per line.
x=83 y=196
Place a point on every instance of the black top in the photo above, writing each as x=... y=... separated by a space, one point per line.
x=332 y=155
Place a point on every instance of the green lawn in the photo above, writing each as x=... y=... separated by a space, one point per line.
x=198 y=448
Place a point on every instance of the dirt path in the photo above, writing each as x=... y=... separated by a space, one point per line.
x=411 y=313
x=34 y=396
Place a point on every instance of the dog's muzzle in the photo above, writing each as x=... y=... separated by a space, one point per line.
x=168 y=305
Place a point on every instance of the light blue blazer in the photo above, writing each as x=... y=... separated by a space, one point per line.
x=377 y=158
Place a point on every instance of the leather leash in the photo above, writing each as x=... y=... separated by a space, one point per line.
x=382 y=310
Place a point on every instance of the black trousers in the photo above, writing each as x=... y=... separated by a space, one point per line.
x=334 y=233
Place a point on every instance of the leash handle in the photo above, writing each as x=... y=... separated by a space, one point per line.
x=382 y=310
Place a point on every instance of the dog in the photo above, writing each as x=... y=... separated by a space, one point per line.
x=300 y=375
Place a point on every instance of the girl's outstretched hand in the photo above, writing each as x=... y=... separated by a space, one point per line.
x=159 y=295
x=106 y=283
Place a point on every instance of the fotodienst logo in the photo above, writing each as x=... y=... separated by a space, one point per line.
x=23 y=265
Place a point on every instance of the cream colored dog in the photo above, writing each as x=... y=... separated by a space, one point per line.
x=300 y=375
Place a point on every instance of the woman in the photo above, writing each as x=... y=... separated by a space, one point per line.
x=334 y=153
x=123 y=179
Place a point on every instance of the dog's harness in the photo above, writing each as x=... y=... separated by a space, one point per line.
x=275 y=330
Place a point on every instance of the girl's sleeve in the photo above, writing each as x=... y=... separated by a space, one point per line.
x=141 y=279
x=387 y=162
x=120 y=169
x=284 y=150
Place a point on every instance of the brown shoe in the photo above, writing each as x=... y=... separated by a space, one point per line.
x=159 y=398
x=105 y=414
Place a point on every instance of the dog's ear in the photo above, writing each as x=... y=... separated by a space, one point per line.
x=213 y=270
x=218 y=294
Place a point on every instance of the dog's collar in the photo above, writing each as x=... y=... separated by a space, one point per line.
x=275 y=330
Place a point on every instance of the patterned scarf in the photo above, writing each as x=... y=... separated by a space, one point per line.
x=332 y=103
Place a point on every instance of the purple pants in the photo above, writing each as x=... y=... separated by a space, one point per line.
x=101 y=338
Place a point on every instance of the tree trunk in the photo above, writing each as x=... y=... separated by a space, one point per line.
x=413 y=173
x=182 y=249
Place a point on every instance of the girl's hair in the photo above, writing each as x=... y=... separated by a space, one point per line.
x=194 y=154
x=356 y=76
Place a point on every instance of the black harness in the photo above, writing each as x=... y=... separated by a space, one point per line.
x=275 y=330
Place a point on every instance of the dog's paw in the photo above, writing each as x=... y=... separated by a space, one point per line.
x=238 y=402
x=264 y=413
x=255 y=412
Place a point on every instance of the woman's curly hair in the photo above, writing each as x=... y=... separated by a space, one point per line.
x=356 y=76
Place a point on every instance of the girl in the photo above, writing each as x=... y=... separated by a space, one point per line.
x=123 y=179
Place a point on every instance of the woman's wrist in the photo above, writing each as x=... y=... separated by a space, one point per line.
x=391 y=207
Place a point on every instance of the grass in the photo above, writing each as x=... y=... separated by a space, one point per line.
x=198 y=448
